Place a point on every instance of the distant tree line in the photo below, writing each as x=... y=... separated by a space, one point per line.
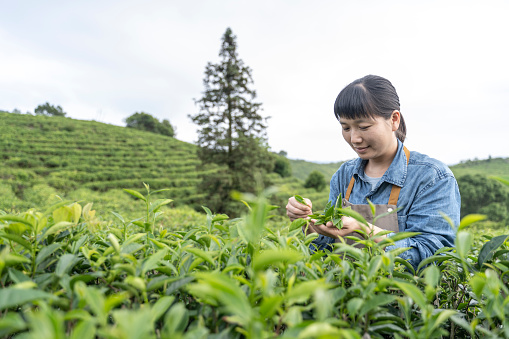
x=484 y=196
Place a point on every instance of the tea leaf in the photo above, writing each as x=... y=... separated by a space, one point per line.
x=470 y=219
x=270 y=257
x=489 y=249
x=11 y=297
x=463 y=243
x=136 y=194
x=16 y=219
x=17 y=239
x=413 y=292
x=201 y=254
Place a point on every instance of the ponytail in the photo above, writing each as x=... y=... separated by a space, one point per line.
x=401 y=132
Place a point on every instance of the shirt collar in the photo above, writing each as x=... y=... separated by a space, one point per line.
x=395 y=174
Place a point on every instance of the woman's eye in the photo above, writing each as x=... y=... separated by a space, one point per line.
x=346 y=129
x=363 y=128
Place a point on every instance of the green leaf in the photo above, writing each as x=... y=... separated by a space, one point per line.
x=17 y=219
x=17 y=239
x=374 y=266
x=376 y=301
x=396 y=237
x=463 y=243
x=304 y=290
x=59 y=227
x=470 y=219
x=63 y=213
x=12 y=297
x=175 y=321
x=432 y=276
x=11 y=323
x=372 y=207
x=353 y=214
x=161 y=306
x=159 y=204
x=136 y=194
x=84 y=330
x=489 y=249
x=17 y=276
x=119 y=217
x=201 y=254
x=153 y=260
x=46 y=251
x=55 y=206
x=215 y=287
x=300 y=200
x=413 y=292
x=65 y=263
x=353 y=306
x=114 y=300
x=270 y=305
x=270 y=257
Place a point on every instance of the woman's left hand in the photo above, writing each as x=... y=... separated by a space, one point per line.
x=349 y=225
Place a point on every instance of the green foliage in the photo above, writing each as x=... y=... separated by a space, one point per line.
x=282 y=166
x=232 y=132
x=482 y=195
x=316 y=180
x=146 y=122
x=65 y=273
x=49 y=110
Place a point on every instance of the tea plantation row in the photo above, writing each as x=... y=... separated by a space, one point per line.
x=65 y=273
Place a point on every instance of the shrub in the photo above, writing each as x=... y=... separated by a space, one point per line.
x=315 y=180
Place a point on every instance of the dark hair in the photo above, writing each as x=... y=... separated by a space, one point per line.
x=368 y=97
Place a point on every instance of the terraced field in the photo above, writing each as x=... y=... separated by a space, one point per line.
x=67 y=155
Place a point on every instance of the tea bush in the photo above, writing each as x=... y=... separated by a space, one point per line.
x=66 y=273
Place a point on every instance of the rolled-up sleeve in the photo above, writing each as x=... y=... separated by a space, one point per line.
x=440 y=195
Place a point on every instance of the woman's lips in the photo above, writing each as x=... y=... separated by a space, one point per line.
x=361 y=149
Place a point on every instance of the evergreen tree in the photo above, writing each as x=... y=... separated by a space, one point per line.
x=232 y=133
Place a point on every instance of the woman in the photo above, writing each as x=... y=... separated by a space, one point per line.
x=386 y=173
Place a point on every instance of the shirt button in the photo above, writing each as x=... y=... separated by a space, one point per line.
x=389 y=209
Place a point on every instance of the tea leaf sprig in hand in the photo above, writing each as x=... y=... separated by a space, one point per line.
x=331 y=213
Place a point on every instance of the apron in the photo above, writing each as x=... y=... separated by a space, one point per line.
x=387 y=222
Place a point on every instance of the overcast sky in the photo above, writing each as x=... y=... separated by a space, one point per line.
x=105 y=60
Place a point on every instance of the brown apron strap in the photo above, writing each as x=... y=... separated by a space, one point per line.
x=393 y=198
x=350 y=187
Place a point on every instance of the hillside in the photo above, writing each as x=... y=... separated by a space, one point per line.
x=488 y=167
x=66 y=154
x=302 y=168
x=60 y=155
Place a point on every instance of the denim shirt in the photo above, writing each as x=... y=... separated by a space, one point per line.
x=428 y=188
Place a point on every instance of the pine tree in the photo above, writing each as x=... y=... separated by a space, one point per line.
x=232 y=133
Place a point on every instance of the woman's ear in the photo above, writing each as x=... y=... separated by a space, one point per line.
x=395 y=120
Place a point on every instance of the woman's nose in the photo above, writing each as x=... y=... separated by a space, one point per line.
x=355 y=137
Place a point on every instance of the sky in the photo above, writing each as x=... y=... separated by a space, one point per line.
x=105 y=60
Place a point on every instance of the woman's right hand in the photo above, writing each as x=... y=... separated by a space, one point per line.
x=296 y=210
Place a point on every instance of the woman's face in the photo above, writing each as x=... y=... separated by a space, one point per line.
x=372 y=139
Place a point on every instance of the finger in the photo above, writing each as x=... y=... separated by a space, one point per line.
x=292 y=201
